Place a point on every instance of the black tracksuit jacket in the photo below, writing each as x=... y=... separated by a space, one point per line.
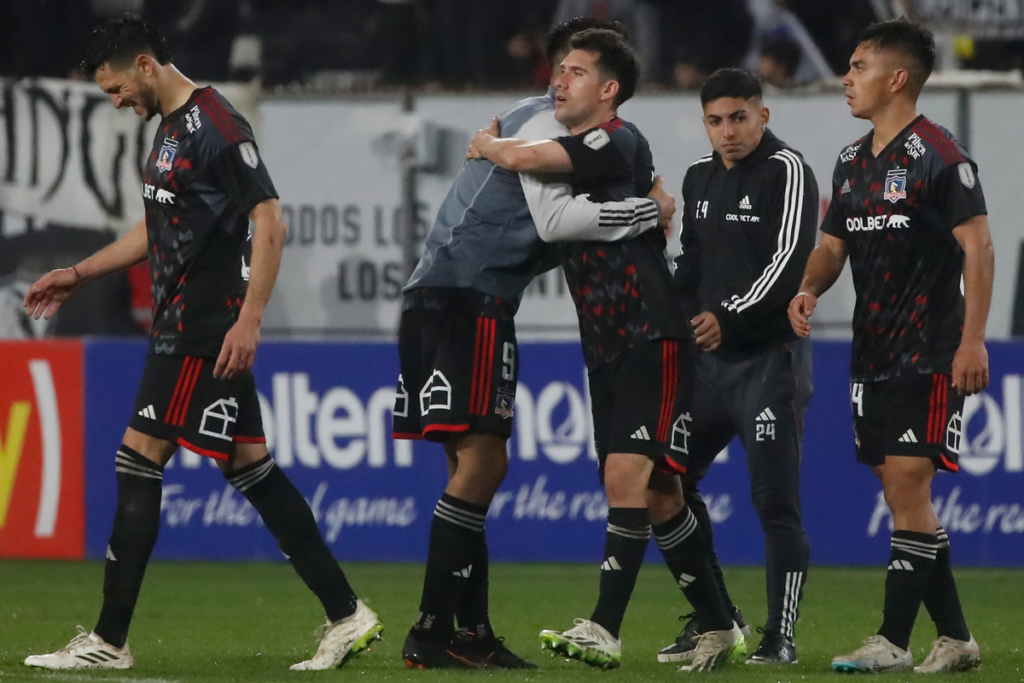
x=746 y=235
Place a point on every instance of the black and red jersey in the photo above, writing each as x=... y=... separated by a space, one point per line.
x=203 y=178
x=622 y=290
x=896 y=212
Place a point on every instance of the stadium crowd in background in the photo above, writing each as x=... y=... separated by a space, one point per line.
x=459 y=44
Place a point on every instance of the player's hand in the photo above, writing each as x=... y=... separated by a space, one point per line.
x=707 y=330
x=483 y=137
x=667 y=202
x=801 y=308
x=46 y=295
x=970 y=367
x=239 y=349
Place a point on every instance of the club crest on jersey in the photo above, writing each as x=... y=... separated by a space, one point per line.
x=896 y=185
x=166 y=156
x=249 y=155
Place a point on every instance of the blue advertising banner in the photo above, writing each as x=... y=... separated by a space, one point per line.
x=326 y=412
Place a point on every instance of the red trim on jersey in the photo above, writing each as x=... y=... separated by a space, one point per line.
x=669 y=385
x=931 y=133
x=445 y=428
x=612 y=126
x=944 y=140
x=186 y=396
x=177 y=389
x=202 y=451
x=250 y=439
x=953 y=467
x=220 y=116
x=407 y=435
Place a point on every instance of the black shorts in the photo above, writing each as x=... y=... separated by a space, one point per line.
x=641 y=403
x=908 y=415
x=459 y=370
x=180 y=400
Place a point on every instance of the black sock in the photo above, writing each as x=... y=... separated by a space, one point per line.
x=700 y=511
x=289 y=519
x=685 y=553
x=629 y=530
x=136 y=525
x=472 y=613
x=910 y=566
x=941 y=598
x=456 y=539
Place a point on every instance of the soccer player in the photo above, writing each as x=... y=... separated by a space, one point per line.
x=749 y=225
x=203 y=182
x=908 y=211
x=637 y=348
x=459 y=359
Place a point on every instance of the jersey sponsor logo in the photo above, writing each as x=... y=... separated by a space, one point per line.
x=742 y=218
x=966 y=174
x=249 y=155
x=895 y=185
x=166 y=156
x=218 y=418
x=915 y=146
x=845 y=189
x=596 y=139
x=849 y=154
x=870 y=223
x=745 y=203
x=192 y=121
x=164 y=197
x=436 y=393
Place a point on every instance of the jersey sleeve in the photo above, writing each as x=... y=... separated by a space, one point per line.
x=957 y=193
x=832 y=223
x=561 y=217
x=792 y=219
x=240 y=170
x=687 y=275
x=595 y=158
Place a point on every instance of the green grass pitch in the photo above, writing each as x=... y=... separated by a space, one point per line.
x=249 y=622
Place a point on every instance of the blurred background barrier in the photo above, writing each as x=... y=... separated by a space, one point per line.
x=326 y=409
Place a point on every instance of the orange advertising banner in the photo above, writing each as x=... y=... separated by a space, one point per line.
x=42 y=510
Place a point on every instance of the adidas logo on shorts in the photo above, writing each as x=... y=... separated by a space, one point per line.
x=641 y=434
x=908 y=437
x=149 y=412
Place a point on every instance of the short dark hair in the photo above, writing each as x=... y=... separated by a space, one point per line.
x=118 y=41
x=910 y=39
x=730 y=82
x=615 y=59
x=559 y=35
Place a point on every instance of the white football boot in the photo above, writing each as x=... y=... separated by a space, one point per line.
x=587 y=641
x=85 y=651
x=714 y=648
x=343 y=639
x=949 y=654
x=876 y=655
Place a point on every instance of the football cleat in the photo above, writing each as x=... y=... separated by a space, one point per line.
x=423 y=652
x=588 y=642
x=713 y=649
x=489 y=651
x=876 y=655
x=343 y=639
x=775 y=648
x=949 y=654
x=85 y=651
x=686 y=642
